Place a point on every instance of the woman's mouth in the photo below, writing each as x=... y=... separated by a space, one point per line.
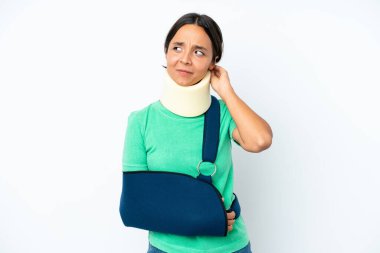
x=183 y=72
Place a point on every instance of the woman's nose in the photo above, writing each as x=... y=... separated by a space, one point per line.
x=185 y=59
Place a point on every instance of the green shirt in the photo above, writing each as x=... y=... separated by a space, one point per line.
x=159 y=140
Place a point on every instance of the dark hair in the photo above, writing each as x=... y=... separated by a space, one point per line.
x=208 y=24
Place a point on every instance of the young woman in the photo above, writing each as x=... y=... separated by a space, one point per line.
x=167 y=134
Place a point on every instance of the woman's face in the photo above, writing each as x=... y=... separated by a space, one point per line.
x=189 y=55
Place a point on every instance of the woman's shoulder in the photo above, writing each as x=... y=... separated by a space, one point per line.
x=141 y=114
x=222 y=103
x=223 y=107
x=143 y=110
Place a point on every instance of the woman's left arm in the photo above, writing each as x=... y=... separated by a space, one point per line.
x=252 y=132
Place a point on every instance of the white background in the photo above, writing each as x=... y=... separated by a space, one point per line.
x=72 y=71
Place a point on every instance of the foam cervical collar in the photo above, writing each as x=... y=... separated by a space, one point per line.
x=186 y=101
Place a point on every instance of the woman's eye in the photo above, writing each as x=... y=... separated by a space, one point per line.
x=199 y=53
x=178 y=49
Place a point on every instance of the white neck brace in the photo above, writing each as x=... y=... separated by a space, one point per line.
x=187 y=101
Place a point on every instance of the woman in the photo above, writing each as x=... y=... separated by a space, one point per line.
x=167 y=134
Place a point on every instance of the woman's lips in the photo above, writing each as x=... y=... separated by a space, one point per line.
x=184 y=72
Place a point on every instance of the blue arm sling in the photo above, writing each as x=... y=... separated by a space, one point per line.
x=177 y=203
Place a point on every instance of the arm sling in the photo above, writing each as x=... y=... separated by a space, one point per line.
x=176 y=203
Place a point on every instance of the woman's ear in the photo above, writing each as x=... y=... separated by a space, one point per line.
x=213 y=63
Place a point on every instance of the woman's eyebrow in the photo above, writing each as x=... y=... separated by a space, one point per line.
x=178 y=43
x=196 y=46
x=200 y=47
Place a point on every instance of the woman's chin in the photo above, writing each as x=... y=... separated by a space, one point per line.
x=184 y=82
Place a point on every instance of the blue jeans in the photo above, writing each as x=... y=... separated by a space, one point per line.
x=246 y=249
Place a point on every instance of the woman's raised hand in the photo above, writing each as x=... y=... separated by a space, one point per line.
x=220 y=81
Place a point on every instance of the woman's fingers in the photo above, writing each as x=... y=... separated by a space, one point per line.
x=230 y=218
x=231 y=215
x=218 y=71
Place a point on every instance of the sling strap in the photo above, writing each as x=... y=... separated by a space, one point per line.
x=210 y=145
x=211 y=131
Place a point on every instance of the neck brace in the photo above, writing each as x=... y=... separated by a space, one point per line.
x=187 y=101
